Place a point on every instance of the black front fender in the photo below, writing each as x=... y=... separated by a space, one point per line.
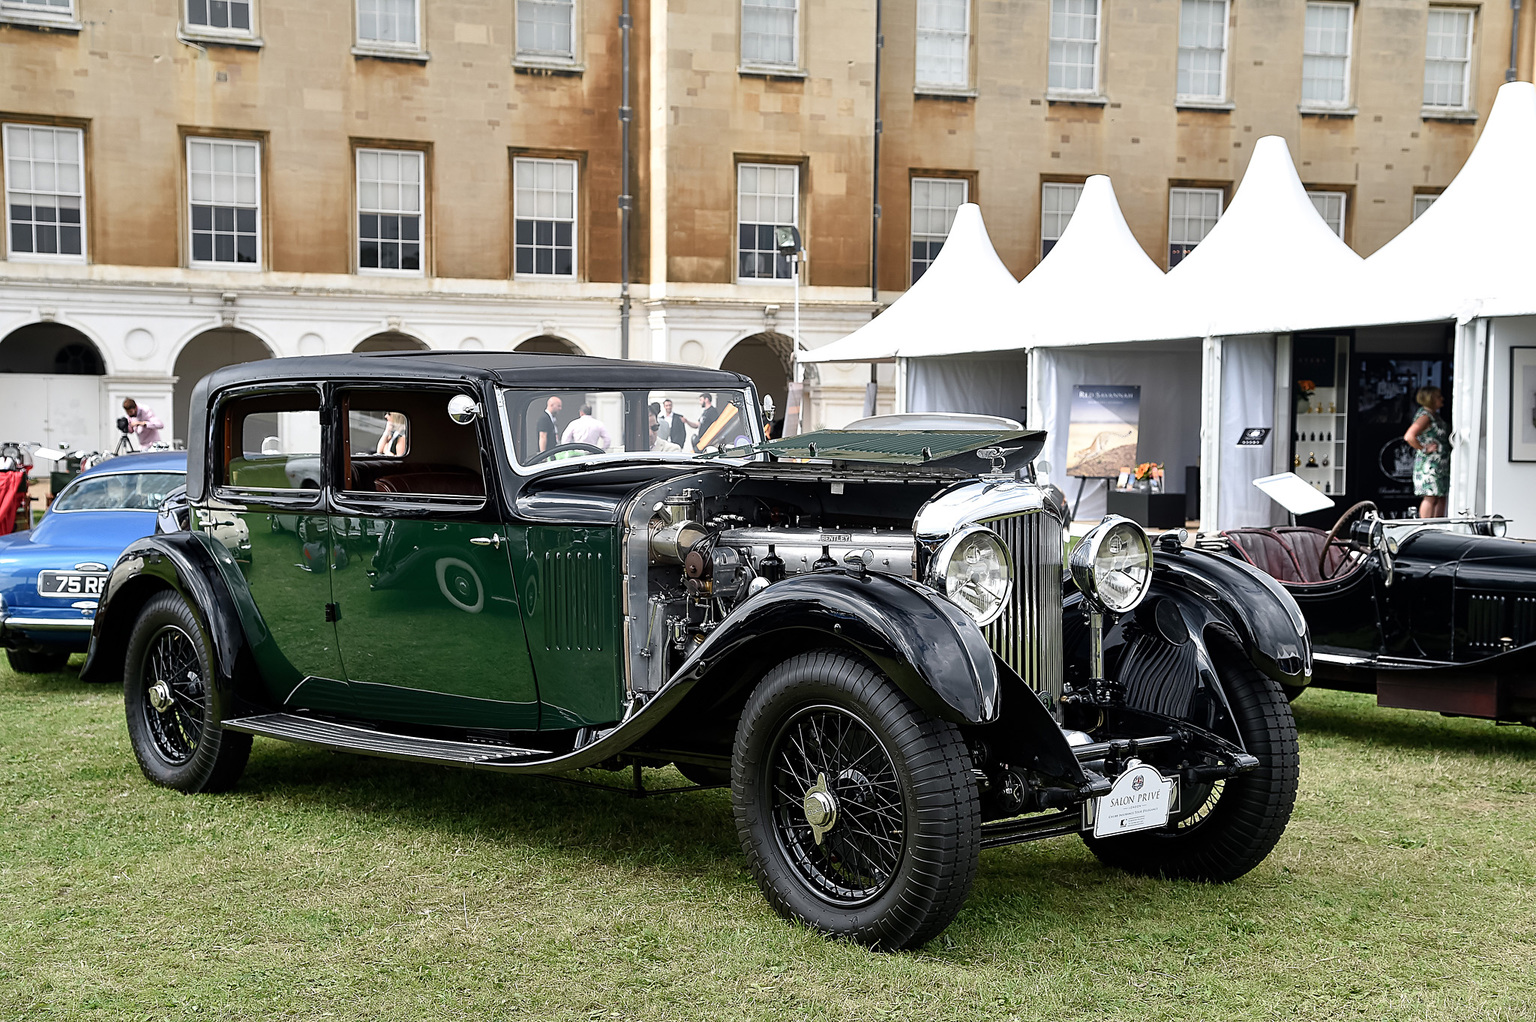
x=185 y=562
x=1216 y=591
x=925 y=644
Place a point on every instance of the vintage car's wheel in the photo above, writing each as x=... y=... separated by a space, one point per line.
x=172 y=703
x=858 y=813
x=36 y=661
x=1226 y=828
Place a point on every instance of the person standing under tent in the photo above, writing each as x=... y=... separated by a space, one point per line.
x=1430 y=439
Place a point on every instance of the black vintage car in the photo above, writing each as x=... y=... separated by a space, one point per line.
x=1429 y=614
x=869 y=635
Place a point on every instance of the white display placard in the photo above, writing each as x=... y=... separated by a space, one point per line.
x=1294 y=493
x=1140 y=800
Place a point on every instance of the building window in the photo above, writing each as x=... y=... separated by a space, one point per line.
x=546 y=29
x=393 y=24
x=1448 y=57
x=934 y=201
x=544 y=218
x=770 y=31
x=45 y=193
x=1325 y=54
x=767 y=196
x=1074 y=53
x=1057 y=202
x=53 y=8
x=1422 y=202
x=1331 y=207
x=389 y=210
x=944 y=43
x=1203 y=50
x=224 y=185
x=234 y=15
x=1192 y=212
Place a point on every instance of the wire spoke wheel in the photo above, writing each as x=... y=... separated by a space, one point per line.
x=174 y=694
x=837 y=805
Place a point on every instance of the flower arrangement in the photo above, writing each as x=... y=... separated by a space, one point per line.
x=1306 y=387
x=1149 y=470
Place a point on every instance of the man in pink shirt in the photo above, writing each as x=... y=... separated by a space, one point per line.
x=587 y=430
x=143 y=422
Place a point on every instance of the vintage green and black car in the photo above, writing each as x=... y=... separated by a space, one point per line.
x=870 y=636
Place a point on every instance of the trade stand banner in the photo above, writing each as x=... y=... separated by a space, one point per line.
x=1102 y=429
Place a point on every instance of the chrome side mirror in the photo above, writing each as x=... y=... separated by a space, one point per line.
x=463 y=409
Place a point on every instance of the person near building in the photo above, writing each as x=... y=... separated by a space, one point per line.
x=549 y=426
x=708 y=413
x=143 y=423
x=393 y=441
x=1430 y=438
x=659 y=442
x=671 y=425
x=584 y=429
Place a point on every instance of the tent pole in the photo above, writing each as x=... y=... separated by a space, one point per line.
x=901 y=385
x=1210 y=435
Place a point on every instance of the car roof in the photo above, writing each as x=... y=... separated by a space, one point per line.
x=143 y=461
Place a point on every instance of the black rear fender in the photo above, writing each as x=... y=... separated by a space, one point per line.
x=183 y=562
x=918 y=639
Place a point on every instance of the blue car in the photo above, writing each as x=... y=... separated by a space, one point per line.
x=51 y=576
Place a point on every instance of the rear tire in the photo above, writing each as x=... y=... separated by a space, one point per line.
x=1236 y=822
x=825 y=737
x=171 y=696
x=36 y=661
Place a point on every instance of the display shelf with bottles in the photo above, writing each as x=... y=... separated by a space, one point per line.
x=1319 y=428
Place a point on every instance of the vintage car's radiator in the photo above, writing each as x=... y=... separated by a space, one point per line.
x=1028 y=635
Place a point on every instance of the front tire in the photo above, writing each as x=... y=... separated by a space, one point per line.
x=1229 y=827
x=36 y=661
x=858 y=813
x=171 y=699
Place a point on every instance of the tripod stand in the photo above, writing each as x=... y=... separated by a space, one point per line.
x=124 y=446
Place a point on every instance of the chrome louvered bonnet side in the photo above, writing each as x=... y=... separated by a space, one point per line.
x=1028 y=635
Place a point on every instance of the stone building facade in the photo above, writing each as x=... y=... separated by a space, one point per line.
x=192 y=182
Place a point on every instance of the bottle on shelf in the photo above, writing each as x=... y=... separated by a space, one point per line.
x=1311 y=460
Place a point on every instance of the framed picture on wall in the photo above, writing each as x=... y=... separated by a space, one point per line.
x=1522 y=404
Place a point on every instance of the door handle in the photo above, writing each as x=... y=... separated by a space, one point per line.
x=493 y=541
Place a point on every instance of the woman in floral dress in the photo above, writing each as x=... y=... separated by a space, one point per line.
x=1430 y=438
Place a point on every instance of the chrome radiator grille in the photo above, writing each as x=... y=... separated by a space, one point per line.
x=1028 y=635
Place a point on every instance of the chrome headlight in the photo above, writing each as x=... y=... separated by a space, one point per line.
x=972 y=568
x=1112 y=564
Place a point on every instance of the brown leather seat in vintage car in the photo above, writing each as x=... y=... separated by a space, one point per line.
x=1268 y=552
x=458 y=482
x=1307 y=544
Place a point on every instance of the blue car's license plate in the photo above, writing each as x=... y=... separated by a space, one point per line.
x=71 y=583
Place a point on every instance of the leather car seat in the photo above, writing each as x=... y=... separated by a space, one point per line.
x=1266 y=551
x=1307 y=544
x=441 y=481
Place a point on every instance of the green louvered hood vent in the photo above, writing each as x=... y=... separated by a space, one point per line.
x=908 y=446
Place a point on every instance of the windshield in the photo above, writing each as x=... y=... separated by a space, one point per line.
x=546 y=426
x=119 y=491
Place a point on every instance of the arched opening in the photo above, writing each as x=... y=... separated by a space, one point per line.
x=548 y=344
x=50 y=348
x=54 y=396
x=391 y=340
x=769 y=360
x=213 y=349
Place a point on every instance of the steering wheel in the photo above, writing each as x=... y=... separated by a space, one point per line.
x=545 y=455
x=1340 y=527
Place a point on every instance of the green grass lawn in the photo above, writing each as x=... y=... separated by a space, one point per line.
x=334 y=886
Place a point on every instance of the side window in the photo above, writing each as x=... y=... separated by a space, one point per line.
x=272 y=442
x=401 y=441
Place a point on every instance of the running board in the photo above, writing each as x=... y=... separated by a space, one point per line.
x=291 y=727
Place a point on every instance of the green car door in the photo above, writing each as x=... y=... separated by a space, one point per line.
x=427 y=615
x=269 y=516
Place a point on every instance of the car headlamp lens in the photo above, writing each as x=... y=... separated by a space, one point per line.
x=972 y=568
x=1112 y=565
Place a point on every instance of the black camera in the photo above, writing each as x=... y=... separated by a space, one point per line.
x=122 y=424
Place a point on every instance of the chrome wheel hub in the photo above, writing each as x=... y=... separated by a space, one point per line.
x=820 y=808
x=160 y=696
